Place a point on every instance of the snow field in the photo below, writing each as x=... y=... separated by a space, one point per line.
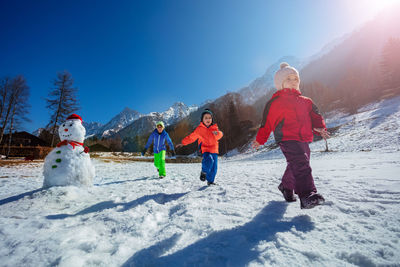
x=132 y=218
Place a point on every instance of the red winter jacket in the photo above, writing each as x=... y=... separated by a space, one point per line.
x=290 y=116
x=205 y=137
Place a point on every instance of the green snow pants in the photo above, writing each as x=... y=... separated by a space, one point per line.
x=159 y=162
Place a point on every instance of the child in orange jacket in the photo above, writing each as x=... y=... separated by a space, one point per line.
x=207 y=134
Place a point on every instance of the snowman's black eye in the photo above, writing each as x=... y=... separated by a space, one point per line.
x=70 y=124
x=64 y=125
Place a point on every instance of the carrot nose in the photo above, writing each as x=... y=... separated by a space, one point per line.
x=65 y=130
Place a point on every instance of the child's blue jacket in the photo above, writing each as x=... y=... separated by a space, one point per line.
x=159 y=141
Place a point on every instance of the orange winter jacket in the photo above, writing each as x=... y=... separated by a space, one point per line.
x=205 y=137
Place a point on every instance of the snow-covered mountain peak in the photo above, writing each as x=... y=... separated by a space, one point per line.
x=260 y=86
x=325 y=49
x=128 y=116
x=177 y=111
x=121 y=120
x=92 y=127
x=128 y=111
x=37 y=132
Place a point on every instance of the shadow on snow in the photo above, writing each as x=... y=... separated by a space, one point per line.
x=232 y=247
x=18 y=197
x=127 y=181
x=160 y=198
x=30 y=193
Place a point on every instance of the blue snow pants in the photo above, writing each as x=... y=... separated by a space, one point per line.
x=209 y=165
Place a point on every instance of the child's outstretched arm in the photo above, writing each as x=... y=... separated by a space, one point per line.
x=265 y=128
x=189 y=139
x=318 y=123
x=255 y=144
x=171 y=145
x=262 y=135
x=149 y=141
x=323 y=132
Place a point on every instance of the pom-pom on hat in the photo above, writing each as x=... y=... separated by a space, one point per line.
x=284 y=71
x=74 y=117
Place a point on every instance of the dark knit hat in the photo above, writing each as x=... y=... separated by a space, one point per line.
x=207 y=111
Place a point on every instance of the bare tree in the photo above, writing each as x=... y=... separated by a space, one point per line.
x=62 y=100
x=4 y=91
x=6 y=106
x=15 y=102
x=20 y=107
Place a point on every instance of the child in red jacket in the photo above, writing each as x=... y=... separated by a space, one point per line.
x=207 y=134
x=293 y=118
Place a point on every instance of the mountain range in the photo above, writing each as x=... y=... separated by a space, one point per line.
x=357 y=53
x=130 y=122
x=359 y=50
x=134 y=119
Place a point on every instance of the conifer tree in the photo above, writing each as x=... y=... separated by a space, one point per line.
x=62 y=101
x=390 y=64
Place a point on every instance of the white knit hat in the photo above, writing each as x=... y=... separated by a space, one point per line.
x=284 y=71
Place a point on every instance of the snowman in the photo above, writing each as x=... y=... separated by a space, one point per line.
x=69 y=163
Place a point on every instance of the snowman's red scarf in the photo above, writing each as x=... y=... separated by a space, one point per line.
x=73 y=144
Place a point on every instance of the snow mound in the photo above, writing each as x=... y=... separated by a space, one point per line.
x=374 y=127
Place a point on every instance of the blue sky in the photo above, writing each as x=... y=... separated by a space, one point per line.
x=148 y=54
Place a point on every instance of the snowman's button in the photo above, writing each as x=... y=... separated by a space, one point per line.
x=54 y=166
x=58 y=160
x=58 y=152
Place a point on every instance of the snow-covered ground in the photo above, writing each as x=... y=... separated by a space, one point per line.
x=132 y=218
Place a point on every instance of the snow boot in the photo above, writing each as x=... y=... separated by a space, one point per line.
x=287 y=193
x=203 y=176
x=311 y=201
x=211 y=183
x=161 y=176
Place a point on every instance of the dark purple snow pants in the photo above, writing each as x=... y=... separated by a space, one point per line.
x=298 y=175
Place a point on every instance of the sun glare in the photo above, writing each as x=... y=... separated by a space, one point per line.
x=365 y=10
x=375 y=6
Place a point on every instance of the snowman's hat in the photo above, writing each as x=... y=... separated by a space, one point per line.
x=74 y=117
